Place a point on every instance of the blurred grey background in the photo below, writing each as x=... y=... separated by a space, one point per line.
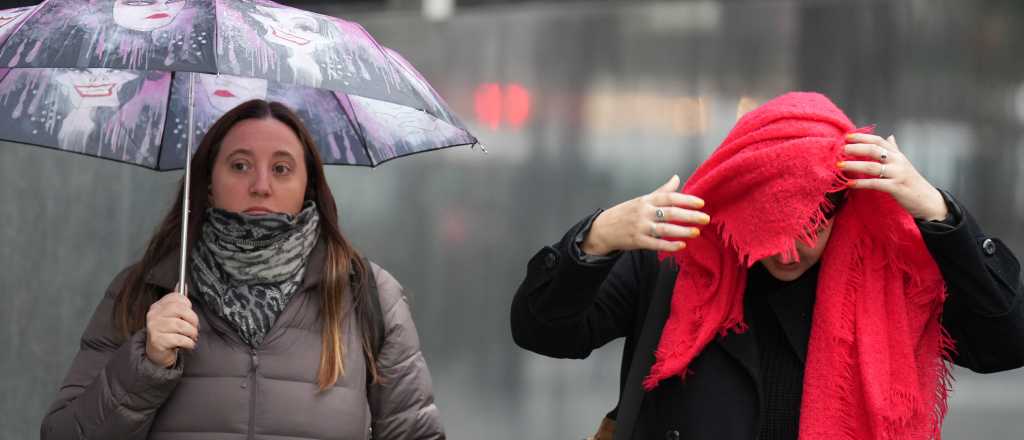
x=580 y=105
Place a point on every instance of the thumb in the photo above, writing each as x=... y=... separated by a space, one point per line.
x=670 y=186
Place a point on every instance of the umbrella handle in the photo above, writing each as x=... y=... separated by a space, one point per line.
x=188 y=181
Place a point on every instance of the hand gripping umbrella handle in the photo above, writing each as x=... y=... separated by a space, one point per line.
x=188 y=181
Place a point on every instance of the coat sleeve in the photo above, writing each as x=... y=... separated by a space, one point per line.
x=402 y=405
x=566 y=307
x=984 y=312
x=112 y=390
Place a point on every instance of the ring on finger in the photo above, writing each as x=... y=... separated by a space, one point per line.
x=881 y=172
x=659 y=214
x=883 y=155
x=654 y=230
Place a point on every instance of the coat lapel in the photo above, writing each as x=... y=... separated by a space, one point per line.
x=643 y=355
x=743 y=348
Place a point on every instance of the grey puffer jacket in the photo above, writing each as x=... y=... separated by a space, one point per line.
x=226 y=390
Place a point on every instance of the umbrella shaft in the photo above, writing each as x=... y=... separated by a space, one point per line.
x=182 y=287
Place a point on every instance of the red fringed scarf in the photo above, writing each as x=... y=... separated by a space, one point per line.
x=877 y=356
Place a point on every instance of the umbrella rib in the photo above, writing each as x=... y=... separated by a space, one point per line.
x=216 y=37
x=167 y=118
x=354 y=120
x=413 y=153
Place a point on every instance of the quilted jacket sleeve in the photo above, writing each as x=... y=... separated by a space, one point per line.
x=112 y=390
x=402 y=405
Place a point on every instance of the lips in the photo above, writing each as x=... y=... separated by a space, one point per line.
x=288 y=36
x=158 y=16
x=257 y=210
x=95 y=90
x=223 y=93
x=789 y=265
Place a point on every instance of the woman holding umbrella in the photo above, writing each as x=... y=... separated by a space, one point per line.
x=818 y=295
x=286 y=331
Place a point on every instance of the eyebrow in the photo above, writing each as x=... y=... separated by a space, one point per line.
x=248 y=152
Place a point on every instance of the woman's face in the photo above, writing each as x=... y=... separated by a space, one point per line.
x=259 y=169
x=785 y=270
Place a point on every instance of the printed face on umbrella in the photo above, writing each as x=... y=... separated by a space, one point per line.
x=94 y=87
x=146 y=15
x=226 y=92
x=296 y=30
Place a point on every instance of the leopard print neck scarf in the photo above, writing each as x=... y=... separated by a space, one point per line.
x=247 y=267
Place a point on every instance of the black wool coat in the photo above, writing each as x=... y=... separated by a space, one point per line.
x=566 y=307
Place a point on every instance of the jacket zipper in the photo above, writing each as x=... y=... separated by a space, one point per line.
x=252 y=392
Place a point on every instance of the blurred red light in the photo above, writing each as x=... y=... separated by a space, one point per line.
x=487 y=104
x=496 y=104
x=516 y=105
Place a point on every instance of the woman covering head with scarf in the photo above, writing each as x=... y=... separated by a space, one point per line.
x=820 y=292
x=286 y=332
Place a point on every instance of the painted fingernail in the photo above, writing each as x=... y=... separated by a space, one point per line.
x=700 y=203
x=840 y=164
x=851 y=183
x=705 y=219
x=680 y=245
x=696 y=232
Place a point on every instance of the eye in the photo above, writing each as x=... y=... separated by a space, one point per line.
x=240 y=165
x=282 y=169
x=138 y=2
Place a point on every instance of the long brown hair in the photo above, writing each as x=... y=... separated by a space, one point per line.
x=136 y=296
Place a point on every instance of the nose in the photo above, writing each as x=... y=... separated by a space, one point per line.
x=260 y=185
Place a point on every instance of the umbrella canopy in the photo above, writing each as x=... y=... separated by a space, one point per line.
x=105 y=78
x=141 y=117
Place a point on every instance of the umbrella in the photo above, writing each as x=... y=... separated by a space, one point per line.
x=137 y=81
